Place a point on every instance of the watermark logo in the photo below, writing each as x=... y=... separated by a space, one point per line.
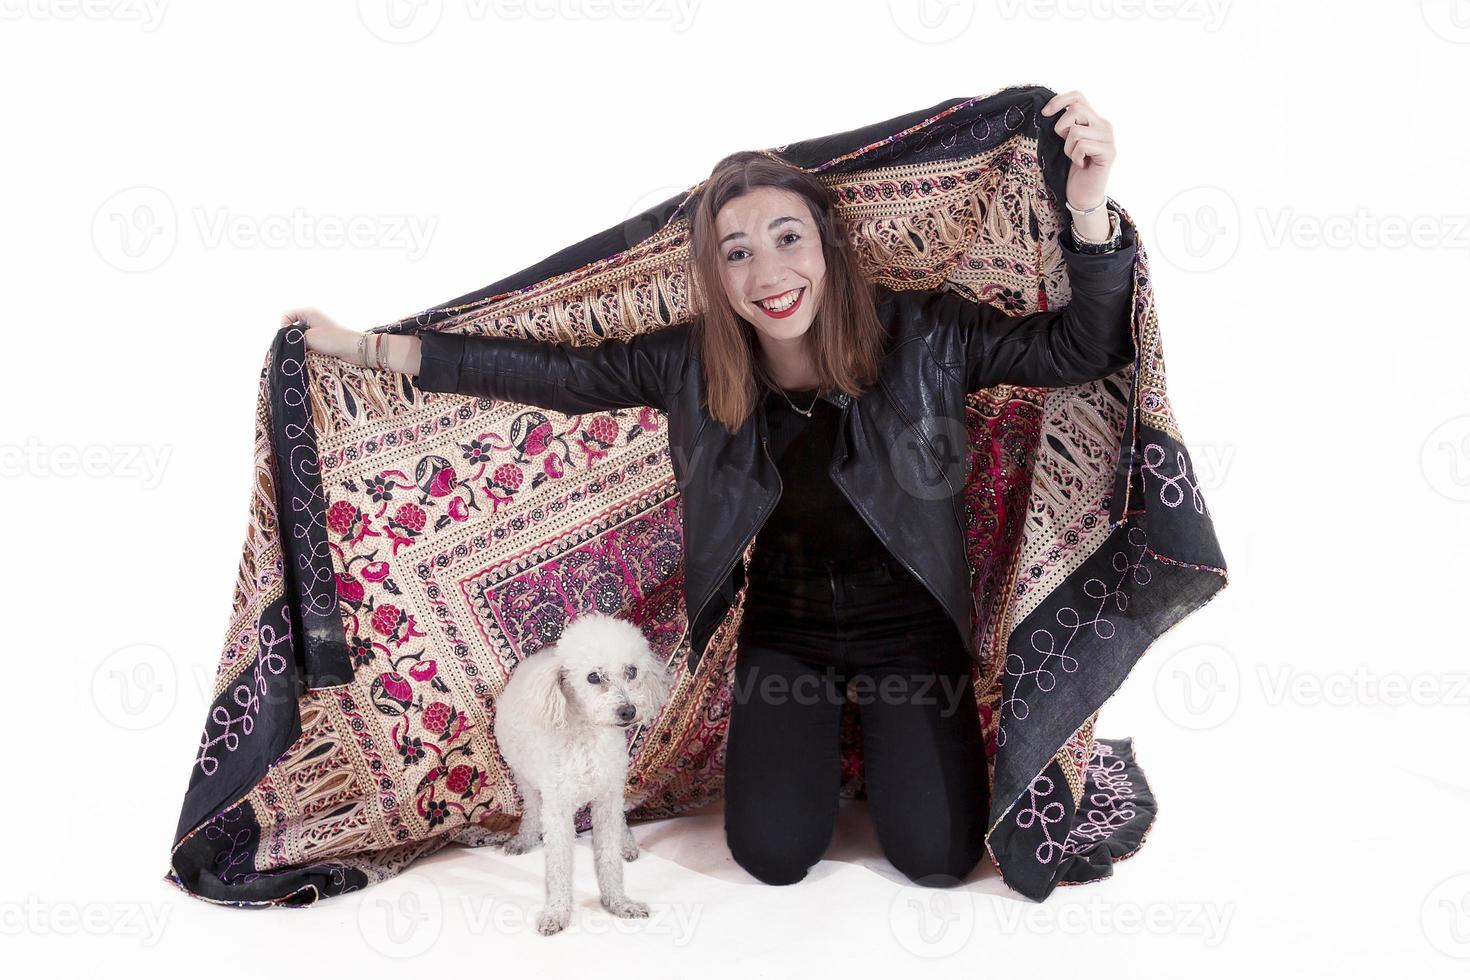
x=1444 y=459
x=136 y=229
x=1445 y=916
x=34 y=459
x=1199 y=229
x=932 y=475
x=1207 y=921
x=932 y=923
x=147 y=14
x=932 y=21
x=1198 y=687
x=402 y=917
x=135 y=687
x=1210 y=13
x=35 y=916
x=1449 y=19
x=400 y=21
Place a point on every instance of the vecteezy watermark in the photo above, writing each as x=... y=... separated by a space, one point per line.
x=1445 y=916
x=35 y=916
x=1198 y=687
x=407 y=21
x=37 y=460
x=1210 y=13
x=1363 y=229
x=932 y=21
x=138 y=228
x=1444 y=458
x=402 y=917
x=1208 y=921
x=931 y=458
x=931 y=923
x=505 y=917
x=1450 y=19
x=1363 y=687
x=636 y=225
x=136 y=686
x=147 y=14
x=1199 y=228
x=939 y=689
x=1211 y=463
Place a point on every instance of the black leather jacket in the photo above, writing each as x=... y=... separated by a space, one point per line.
x=897 y=457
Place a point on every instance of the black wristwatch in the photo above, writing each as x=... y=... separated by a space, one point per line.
x=1113 y=241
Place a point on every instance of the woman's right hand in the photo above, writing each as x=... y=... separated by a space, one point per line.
x=324 y=335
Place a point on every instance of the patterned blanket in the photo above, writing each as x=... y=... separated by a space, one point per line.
x=406 y=548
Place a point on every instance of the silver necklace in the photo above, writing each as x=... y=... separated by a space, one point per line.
x=804 y=411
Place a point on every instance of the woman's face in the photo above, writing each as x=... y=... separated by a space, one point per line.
x=770 y=257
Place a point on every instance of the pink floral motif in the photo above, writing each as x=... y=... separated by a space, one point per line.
x=411 y=517
x=603 y=429
x=436 y=717
x=388 y=620
x=466 y=780
x=391 y=693
x=349 y=589
x=538 y=439
x=344 y=518
x=509 y=476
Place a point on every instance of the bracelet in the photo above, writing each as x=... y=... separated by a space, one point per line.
x=1068 y=203
x=1112 y=243
x=361 y=351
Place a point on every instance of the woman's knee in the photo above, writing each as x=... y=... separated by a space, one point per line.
x=933 y=862
x=777 y=855
x=772 y=866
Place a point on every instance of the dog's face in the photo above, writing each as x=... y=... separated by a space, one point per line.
x=609 y=674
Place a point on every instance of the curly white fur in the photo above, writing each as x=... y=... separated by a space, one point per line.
x=562 y=724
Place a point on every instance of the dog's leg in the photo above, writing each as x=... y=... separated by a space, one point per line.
x=559 y=833
x=630 y=846
x=608 y=828
x=528 y=835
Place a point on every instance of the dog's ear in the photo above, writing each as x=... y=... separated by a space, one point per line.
x=551 y=698
x=658 y=680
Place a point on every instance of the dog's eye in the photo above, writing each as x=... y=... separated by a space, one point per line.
x=592 y=678
x=631 y=671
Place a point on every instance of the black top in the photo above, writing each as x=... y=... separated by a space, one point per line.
x=813 y=520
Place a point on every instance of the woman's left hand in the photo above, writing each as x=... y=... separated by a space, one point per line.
x=1088 y=144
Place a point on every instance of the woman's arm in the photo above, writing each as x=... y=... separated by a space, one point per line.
x=1090 y=338
x=647 y=369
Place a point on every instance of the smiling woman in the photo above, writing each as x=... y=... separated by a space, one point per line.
x=983 y=458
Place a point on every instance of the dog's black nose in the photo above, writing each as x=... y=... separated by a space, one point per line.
x=626 y=713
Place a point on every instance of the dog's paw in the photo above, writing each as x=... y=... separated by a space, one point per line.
x=521 y=843
x=552 y=920
x=626 y=908
x=630 y=851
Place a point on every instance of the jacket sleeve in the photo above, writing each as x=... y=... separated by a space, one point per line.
x=1090 y=338
x=643 y=370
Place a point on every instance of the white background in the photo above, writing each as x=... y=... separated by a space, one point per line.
x=1304 y=731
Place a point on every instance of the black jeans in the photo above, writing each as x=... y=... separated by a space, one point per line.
x=807 y=632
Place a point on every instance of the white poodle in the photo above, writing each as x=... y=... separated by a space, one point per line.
x=561 y=724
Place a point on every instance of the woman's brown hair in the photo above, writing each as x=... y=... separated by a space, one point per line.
x=846 y=338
